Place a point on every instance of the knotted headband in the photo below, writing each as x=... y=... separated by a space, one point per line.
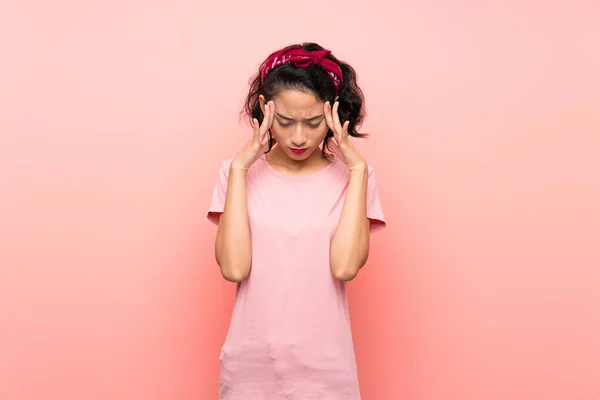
x=302 y=58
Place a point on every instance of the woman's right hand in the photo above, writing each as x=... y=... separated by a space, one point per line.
x=257 y=146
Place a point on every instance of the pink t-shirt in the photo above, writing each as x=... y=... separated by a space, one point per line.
x=290 y=336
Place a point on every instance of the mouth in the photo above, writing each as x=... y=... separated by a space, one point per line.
x=298 y=151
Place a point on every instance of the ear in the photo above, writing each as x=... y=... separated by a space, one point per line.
x=337 y=98
x=261 y=100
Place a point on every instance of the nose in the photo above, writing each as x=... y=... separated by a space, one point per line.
x=299 y=136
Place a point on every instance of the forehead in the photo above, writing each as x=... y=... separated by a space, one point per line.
x=296 y=104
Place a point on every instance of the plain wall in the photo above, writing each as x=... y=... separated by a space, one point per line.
x=485 y=132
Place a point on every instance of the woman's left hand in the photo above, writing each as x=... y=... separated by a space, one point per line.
x=341 y=145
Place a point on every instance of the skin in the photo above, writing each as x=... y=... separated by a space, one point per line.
x=297 y=120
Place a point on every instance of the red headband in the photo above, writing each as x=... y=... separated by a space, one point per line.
x=302 y=58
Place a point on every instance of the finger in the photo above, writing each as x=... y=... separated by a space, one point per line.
x=265 y=144
x=335 y=148
x=336 y=118
x=264 y=147
x=262 y=130
x=267 y=120
x=345 y=130
x=327 y=112
x=271 y=117
x=333 y=145
x=255 y=128
x=272 y=114
x=266 y=138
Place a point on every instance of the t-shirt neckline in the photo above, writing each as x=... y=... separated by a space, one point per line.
x=289 y=177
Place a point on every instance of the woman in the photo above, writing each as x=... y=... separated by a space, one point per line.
x=294 y=210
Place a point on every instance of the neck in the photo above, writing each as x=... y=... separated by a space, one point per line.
x=278 y=157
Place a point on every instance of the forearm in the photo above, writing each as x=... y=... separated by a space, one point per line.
x=232 y=245
x=350 y=243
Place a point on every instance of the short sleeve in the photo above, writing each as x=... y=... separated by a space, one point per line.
x=219 y=194
x=374 y=209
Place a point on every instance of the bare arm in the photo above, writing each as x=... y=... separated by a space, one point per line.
x=350 y=243
x=233 y=250
x=232 y=245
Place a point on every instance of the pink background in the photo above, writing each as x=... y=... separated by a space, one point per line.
x=485 y=121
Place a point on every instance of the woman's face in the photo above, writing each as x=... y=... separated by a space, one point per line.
x=299 y=126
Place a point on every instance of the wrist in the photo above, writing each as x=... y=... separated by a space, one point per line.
x=236 y=168
x=359 y=169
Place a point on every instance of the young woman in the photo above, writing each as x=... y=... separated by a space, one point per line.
x=294 y=210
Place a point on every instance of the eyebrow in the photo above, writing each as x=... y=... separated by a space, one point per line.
x=305 y=119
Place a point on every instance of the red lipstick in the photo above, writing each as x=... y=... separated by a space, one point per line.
x=298 y=151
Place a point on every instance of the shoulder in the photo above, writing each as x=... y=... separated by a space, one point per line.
x=371 y=171
x=342 y=168
x=226 y=165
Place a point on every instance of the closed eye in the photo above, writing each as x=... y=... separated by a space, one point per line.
x=313 y=126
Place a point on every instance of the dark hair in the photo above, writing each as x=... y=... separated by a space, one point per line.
x=315 y=79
